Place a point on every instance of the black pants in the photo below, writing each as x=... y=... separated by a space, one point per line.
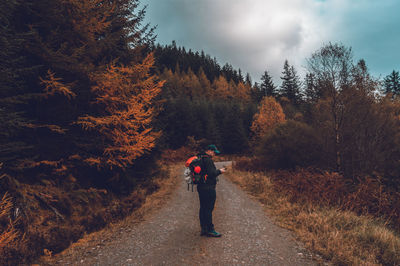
x=207 y=196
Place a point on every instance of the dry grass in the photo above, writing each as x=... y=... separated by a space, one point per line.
x=341 y=237
x=153 y=201
x=7 y=231
x=53 y=216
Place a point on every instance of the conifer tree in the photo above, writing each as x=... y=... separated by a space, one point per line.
x=268 y=116
x=248 y=80
x=205 y=85
x=212 y=131
x=311 y=91
x=243 y=92
x=64 y=47
x=267 y=85
x=234 y=135
x=221 y=88
x=195 y=86
x=125 y=130
x=290 y=87
x=392 y=83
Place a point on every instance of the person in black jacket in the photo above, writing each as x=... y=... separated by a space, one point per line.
x=207 y=193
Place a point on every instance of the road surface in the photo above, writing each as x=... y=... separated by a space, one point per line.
x=171 y=236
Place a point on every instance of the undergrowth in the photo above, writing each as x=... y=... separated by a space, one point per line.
x=317 y=209
x=45 y=218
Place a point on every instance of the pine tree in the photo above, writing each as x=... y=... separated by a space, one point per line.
x=267 y=85
x=234 y=135
x=311 y=91
x=248 y=80
x=290 y=87
x=392 y=83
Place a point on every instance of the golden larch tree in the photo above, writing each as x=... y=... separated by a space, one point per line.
x=243 y=92
x=269 y=115
x=127 y=95
x=205 y=84
x=221 y=88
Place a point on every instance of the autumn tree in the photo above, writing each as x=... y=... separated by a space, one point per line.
x=205 y=84
x=243 y=92
x=126 y=94
x=269 y=115
x=331 y=66
x=221 y=88
x=55 y=49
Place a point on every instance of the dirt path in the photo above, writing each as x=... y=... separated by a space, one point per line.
x=171 y=236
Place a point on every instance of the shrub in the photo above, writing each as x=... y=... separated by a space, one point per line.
x=289 y=145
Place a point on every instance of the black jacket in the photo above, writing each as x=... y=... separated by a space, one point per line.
x=211 y=171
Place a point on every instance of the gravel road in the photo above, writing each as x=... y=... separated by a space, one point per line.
x=171 y=236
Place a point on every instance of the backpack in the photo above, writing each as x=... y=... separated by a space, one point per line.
x=195 y=171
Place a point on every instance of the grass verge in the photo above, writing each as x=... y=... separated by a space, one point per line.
x=45 y=219
x=166 y=186
x=340 y=237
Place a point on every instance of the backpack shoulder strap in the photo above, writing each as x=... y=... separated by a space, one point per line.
x=190 y=160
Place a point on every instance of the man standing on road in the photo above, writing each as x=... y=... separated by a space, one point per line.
x=207 y=193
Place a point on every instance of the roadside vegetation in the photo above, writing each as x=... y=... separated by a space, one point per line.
x=342 y=226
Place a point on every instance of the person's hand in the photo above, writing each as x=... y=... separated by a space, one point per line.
x=223 y=170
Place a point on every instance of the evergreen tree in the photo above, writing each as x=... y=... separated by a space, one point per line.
x=267 y=85
x=392 y=83
x=290 y=87
x=240 y=75
x=59 y=50
x=311 y=92
x=248 y=80
x=234 y=135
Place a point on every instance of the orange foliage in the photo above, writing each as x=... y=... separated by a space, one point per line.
x=126 y=94
x=7 y=234
x=243 y=92
x=270 y=114
x=221 y=88
x=205 y=84
x=54 y=86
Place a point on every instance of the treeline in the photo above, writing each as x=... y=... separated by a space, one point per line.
x=338 y=118
x=345 y=123
x=173 y=57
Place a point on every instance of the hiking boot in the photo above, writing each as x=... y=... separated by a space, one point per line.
x=213 y=233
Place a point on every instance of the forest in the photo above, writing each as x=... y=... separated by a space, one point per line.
x=89 y=103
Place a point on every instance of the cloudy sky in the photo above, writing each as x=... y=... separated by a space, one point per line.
x=258 y=35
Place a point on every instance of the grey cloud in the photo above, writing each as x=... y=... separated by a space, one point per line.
x=258 y=35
